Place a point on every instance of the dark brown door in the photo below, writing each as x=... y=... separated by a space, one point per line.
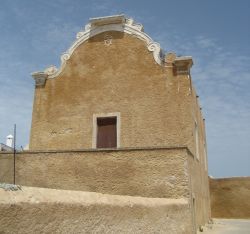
x=106 y=132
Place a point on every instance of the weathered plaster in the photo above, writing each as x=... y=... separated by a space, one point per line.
x=38 y=210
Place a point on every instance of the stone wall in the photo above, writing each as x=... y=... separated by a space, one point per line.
x=230 y=197
x=136 y=172
x=37 y=210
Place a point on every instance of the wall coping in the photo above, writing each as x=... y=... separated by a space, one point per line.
x=229 y=178
x=104 y=150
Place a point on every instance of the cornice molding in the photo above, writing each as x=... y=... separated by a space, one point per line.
x=183 y=65
x=40 y=78
x=99 y=25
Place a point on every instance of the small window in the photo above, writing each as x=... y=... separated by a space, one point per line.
x=106 y=132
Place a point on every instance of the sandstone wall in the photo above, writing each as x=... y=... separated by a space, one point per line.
x=230 y=197
x=34 y=210
x=136 y=172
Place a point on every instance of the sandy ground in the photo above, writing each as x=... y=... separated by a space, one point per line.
x=29 y=210
x=229 y=226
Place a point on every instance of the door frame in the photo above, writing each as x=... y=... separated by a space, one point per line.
x=95 y=127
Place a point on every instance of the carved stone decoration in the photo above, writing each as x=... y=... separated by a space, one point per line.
x=156 y=49
x=51 y=70
x=107 y=40
x=105 y=24
x=40 y=78
x=65 y=56
x=169 y=58
x=130 y=22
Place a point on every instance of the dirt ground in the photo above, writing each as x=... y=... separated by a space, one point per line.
x=229 y=226
x=230 y=198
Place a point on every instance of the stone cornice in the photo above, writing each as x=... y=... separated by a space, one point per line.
x=95 y=27
x=183 y=64
x=177 y=147
x=40 y=78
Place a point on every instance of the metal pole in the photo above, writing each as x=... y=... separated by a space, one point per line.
x=14 y=153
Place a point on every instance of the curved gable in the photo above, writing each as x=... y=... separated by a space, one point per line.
x=97 y=26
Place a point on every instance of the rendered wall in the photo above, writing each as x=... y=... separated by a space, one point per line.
x=123 y=77
x=230 y=197
x=200 y=198
x=6 y=168
x=198 y=168
x=33 y=210
x=143 y=172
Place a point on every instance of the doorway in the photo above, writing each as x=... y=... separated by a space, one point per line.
x=106 y=132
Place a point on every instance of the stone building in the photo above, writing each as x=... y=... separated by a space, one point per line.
x=119 y=117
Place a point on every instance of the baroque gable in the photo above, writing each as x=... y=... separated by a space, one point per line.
x=94 y=27
x=118 y=23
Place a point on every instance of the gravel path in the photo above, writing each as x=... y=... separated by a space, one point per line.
x=10 y=187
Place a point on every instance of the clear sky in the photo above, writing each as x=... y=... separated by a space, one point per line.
x=34 y=33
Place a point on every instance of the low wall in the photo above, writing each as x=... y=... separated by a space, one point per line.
x=6 y=168
x=230 y=197
x=158 y=172
x=38 y=210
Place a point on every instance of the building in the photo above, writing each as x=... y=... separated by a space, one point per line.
x=119 y=117
x=9 y=144
x=4 y=147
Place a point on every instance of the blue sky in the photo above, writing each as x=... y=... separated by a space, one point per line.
x=34 y=33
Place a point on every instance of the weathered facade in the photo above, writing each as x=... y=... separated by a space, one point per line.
x=117 y=90
x=126 y=76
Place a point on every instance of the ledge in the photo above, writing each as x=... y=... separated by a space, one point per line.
x=105 y=150
x=114 y=19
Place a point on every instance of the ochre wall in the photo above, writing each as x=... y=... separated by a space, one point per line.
x=157 y=107
x=199 y=189
x=230 y=197
x=36 y=210
x=6 y=168
x=154 y=105
x=198 y=167
x=162 y=173
x=147 y=173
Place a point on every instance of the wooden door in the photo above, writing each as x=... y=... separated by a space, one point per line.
x=106 y=132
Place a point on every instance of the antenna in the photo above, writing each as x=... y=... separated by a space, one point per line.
x=14 y=153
